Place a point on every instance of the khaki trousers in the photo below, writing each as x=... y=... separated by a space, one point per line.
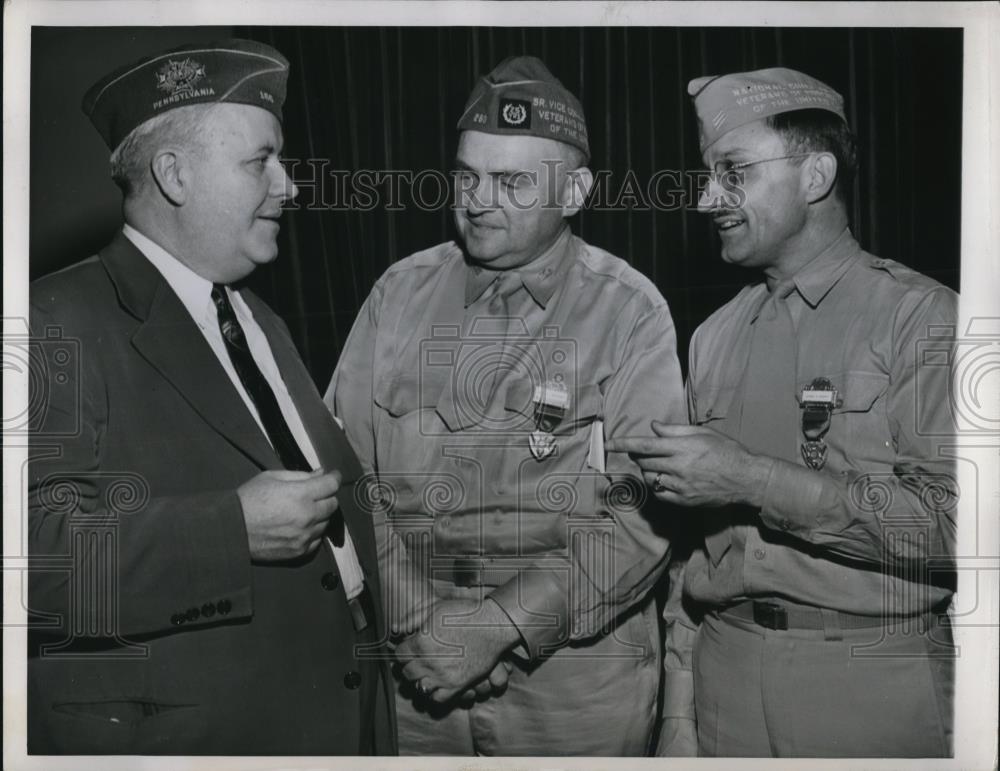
x=876 y=692
x=593 y=698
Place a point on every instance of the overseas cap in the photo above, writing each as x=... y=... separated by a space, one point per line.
x=237 y=71
x=726 y=102
x=521 y=96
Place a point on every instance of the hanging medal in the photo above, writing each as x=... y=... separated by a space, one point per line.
x=551 y=402
x=819 y=400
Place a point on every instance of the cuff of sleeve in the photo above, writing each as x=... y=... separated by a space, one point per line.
x=197 y=542
x=791 y=498
x=220 y=562
x=678 y=694
x=542 y=626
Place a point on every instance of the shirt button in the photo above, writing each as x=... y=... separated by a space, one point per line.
x=224 y=606
x=208 y=609
x=352 y=680
x=177 y=619
x=329 y=581
x=759 y=554
x=192 y=614
x=708 y=412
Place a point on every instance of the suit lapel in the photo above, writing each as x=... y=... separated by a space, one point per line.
x=170 y=341
x=328 y=439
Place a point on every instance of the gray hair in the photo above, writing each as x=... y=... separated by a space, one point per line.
x=131 y=159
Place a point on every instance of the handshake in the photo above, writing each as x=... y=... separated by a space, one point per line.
x=451 y=649
x=456 y=649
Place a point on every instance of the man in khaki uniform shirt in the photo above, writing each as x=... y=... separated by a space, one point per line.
x=819 y=456
x=478 y=384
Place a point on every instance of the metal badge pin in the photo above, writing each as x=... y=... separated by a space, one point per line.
x=819 y=400
x=551 y=402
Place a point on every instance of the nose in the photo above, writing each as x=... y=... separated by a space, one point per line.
x=710 y=195
x=281 y=184
x=476 y=195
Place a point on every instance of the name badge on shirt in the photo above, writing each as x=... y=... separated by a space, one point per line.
x=551 y=402
x=819 y=400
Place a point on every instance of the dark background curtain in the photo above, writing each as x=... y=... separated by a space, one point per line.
x=383 y=98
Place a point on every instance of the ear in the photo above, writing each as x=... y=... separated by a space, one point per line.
x=169 y=167
x=821 y=175
x=575 y=189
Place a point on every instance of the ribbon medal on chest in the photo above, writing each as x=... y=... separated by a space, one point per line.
x=551 y=402
x=819 y=400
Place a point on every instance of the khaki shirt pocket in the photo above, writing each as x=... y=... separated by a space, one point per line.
x=713 y=406
x=859 y=424
x=406 y=427
x=402 y=394
x=585 y=405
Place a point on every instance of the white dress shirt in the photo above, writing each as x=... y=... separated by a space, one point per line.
x=195 y=293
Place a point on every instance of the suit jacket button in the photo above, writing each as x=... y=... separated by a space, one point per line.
x=352 y=680
x=208 y=609
x=223 y=606
x=177 y=619
x=329 y=581
x=192 y=614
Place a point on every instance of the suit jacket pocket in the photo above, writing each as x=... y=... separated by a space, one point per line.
x=116 y=726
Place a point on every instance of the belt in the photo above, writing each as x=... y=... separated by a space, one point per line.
x=480 y=571
x=362 y=609
x=781 y=616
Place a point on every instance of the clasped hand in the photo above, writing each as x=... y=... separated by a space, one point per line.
x=459 y=651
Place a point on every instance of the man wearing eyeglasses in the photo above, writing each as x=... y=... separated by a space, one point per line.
x=816 y=456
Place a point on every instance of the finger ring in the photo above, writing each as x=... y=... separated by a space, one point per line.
x=421 y=688
x=658 y=486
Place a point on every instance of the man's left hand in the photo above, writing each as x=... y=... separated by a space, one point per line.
x=697 y=466
x=446 y=660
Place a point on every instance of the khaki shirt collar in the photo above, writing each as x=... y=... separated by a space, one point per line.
x=541 y=277
x=818 y=276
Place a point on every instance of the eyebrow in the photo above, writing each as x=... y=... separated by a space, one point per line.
x=462 y=166
x=268 y=148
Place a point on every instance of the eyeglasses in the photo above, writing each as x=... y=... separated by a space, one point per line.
x=725 y=172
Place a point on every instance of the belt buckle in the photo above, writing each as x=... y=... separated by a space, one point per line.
x=466 y=572
x=770 y=615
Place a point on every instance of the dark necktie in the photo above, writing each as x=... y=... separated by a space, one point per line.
x=769 y=423
x=253 y=380
x=507 y=283
x=769 y=419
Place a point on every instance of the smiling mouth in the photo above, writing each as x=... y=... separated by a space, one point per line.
x=724 y=224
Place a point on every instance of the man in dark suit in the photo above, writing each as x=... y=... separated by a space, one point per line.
x=203 y=580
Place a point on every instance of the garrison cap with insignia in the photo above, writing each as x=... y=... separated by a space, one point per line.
x=234 y=71
x=726 y=102
x=521 y=96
